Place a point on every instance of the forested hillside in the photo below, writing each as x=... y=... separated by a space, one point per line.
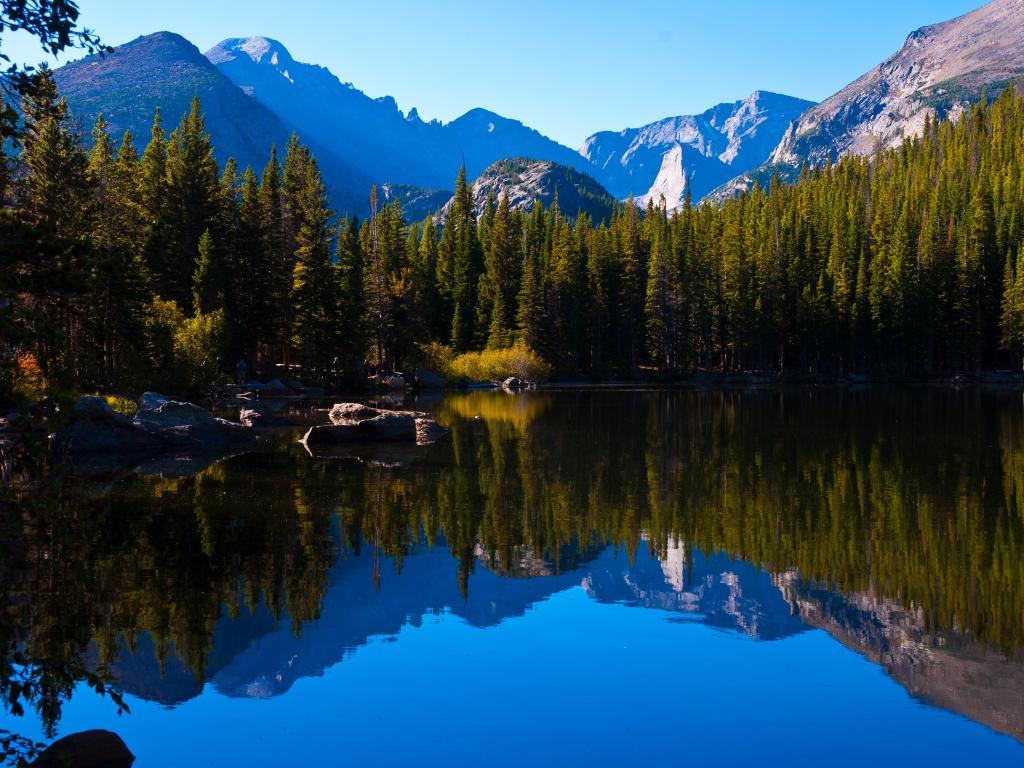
x=161 y=270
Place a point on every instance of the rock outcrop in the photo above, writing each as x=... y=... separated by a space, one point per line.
x=940 y=70
x=702 y=151
x=354 y=423
x=101 y=441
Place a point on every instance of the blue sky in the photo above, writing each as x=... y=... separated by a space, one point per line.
x=565 y=67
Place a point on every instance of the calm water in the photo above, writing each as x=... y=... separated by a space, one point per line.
x=814 y=577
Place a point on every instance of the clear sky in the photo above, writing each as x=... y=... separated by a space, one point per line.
x=568 y=68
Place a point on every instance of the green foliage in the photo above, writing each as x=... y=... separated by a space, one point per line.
x=498 y=364
x=197 y=345
x=184 y=351
x=122 y=404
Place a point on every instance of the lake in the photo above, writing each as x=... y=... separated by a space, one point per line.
x=781 y=577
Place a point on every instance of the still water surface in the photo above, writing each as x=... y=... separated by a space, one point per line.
x=801 y=578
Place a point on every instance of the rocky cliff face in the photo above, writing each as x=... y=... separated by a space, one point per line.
x=524 y=181
x=940 y=69
x=703 y=150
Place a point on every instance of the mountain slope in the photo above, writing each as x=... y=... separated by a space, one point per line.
x=524 y=181
x=373 y=134
x=165 y=70
x=706 y=149
x=940 y=68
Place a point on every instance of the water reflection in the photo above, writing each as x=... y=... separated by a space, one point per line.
x=890 y=519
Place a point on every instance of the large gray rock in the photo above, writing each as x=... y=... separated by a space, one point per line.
x=385 y=428
x=187 y=425
x=351 y=413
x=150 y=400
x=87 y=749
x=102 y=445
x=96 y=408
x=429 y=379
x=173 y=413
x=101 y=441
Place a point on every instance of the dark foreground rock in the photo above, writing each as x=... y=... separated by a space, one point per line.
x=356 y=423
x=102 y=441
x=87 y=749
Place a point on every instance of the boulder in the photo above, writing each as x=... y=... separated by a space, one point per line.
x=150 y=400
x=96 y=408
x=429 y=379
x=384 y=428
x=351 y=413
x=87 y=749
x=163 y=415
x=100 y=446
x=187 y=425
x=101 y=441
x=513 y=383
x=171 y=413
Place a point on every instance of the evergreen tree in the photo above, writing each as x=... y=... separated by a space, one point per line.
x=192 y=195
x=314 y=286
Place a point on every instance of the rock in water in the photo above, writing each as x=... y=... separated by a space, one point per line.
x=101 y=441
x=351 y=413
x=384 y=428
x=187 y=425
x=359 y=423
x=87 y=749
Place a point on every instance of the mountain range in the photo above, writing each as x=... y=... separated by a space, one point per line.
x=940 y=70
x=255 y=94
x=702 y=151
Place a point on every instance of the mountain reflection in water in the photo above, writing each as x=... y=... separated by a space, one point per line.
x=891 y=519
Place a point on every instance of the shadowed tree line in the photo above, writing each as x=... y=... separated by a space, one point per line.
x=161 y=270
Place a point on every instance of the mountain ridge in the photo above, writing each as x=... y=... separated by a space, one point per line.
x=384 y=143
x=699 y=151
x=941 y=69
